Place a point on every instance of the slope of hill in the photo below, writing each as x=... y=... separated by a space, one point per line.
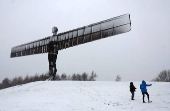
x=83 y=96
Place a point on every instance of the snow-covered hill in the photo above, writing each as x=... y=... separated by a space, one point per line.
x=83 y=96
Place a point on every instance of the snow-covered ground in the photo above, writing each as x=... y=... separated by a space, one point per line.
x=83 y=96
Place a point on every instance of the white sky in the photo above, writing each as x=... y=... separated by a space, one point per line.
x=139 y=54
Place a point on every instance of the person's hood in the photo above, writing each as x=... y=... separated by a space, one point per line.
x=131 y=84
x=143 y=82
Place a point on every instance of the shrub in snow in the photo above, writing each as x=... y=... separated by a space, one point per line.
x=118 y=78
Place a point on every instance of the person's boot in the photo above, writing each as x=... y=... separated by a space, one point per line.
x=149 y=101
x=132 y=98
x=144 y=102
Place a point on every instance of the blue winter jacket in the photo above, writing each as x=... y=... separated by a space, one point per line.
x=143 y=86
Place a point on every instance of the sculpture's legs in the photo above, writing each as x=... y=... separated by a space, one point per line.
x=52 y=65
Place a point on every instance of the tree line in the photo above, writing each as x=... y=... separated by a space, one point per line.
x=78 y=77
x=19 y=80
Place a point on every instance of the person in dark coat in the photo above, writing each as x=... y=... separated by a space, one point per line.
x=132 y=90
x=144 y=90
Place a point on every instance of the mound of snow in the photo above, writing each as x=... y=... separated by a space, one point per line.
x=83 y=96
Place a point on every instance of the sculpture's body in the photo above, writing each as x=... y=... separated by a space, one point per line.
x=53 y=44
x=52 y=57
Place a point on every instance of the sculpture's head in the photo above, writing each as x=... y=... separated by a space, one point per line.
x=54 y=30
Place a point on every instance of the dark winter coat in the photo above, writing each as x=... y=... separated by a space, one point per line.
x=143 y=86
x=132 y=87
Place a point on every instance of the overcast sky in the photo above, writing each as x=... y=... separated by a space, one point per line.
x=136 y=55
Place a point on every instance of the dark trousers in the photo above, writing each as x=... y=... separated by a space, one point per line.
x=143 y=93
x=132 y=97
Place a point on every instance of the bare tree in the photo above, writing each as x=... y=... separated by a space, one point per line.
x=6 y=83
x=26 y=80
x=69 y=77
x=1 y=86
x=92 y=76
x=168 y=76
x=20 y=80
x=58 y=77
x=79 y=77
x=14 y=82
x=84 y=76
x=63 y=76
x=35 y=77
x=74 y=77
x=163 y=76
x=118 y=78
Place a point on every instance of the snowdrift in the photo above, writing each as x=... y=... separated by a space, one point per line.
x=83 y=96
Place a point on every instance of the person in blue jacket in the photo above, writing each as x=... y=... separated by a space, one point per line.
x=144 y=90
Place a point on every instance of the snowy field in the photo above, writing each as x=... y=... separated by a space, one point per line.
x=83 y=96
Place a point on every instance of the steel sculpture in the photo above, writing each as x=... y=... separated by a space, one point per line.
x=56 y=42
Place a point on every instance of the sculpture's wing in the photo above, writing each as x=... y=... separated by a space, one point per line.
x=34 y=47
x=100 y=30
x=103 y=29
